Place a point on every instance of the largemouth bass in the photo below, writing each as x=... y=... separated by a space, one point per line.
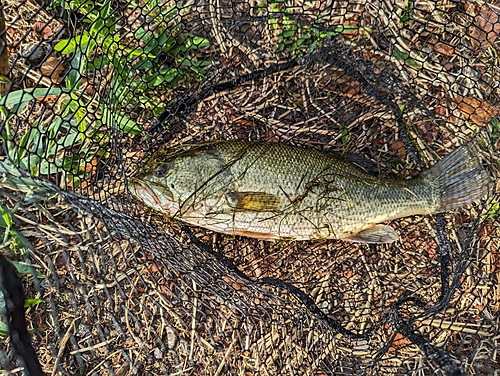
x=274 y=191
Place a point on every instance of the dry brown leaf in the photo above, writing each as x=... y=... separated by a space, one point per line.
x=440 y=111
x=244 y=123
x=48 y=98
x=399 y=147
x=476 y=110
x=338 y=82
x=166 y=293
x=128 y=343
x=89 y=89
x=92 y=165
x=153 y=268
x=444 y=49
x=399 y=341
x=348 y=31
x=43 y=29
x=429 y=131
x=52 y=68
x=487 y=25
x=447 y=65
x=471 y=9
x=270 y=136
x=12 y=39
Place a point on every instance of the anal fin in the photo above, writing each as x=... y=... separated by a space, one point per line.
x=378 y=234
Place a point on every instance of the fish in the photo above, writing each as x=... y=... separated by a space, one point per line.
x=274 y=191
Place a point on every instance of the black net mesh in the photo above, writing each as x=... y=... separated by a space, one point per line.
x=90 y=90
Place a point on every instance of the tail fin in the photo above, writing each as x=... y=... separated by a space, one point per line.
x=460 y=178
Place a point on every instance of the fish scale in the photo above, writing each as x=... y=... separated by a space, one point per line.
x=273 y=191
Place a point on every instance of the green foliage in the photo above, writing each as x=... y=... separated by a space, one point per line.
x=407 y=12
x=493 y=211
x=406 y=57
x=147 y=60
x=24 y=268
x=4 y=329
x=300 y=38
x=13 y=239
x=138 y=65
x=346 y=137
x=495 y=131
x=34 y=190
x=295 y=36
x=31 y=302
x=55 y=145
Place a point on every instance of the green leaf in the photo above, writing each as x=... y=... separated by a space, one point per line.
x=97 y=27
x=35 y=190
x=400 y=55
x=152 y=47
x=163 y=39
x=493 y=210
x=4 y=329
x=20 y=98
x=70 y=139
x=6 y=218
x=154 y=80
x=77 y=71
x=495 y=131
x=340 y=30
x=21 y=241
x=193 y=43
x=145 y=64
x=127 y=125
x=31 y=302
x=289 y=33
x=17 y=152
x=406 y=15
x=200 y=42
x=67 y=46
x=406 y=57
x=120 y=121
x=142 y=34
x=301 y=41
x=102 y=25
x=24 y=268
x=170 y=74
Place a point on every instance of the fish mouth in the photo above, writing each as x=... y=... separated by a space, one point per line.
x=146 y=192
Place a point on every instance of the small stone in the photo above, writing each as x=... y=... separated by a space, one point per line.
x=325 y=306
x=157 y=353
x=171 y=338
x=35 y=53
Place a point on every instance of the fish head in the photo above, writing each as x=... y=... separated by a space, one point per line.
x=156 y=196
x=150 y=185
x=171 y=184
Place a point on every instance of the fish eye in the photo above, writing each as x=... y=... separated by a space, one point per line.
x=162 y=170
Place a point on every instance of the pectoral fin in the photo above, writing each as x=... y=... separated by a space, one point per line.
x=377 y=234
x=253 y=201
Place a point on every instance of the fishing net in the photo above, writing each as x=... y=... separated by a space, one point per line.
x=91 y=89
